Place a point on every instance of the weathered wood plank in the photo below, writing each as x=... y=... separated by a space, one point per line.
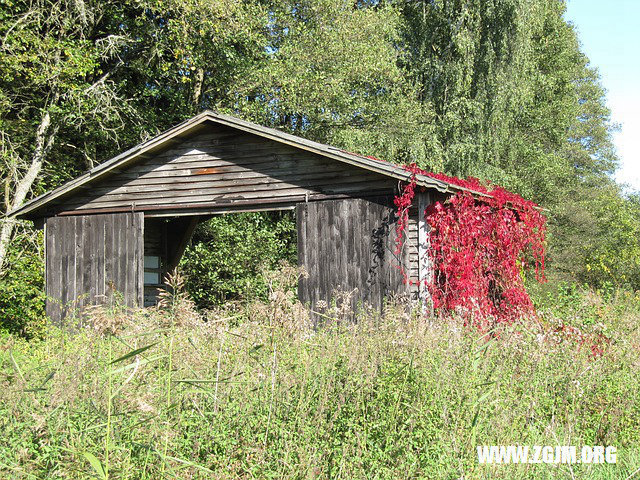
x=358 y=248
x=109 y=258
x=221 y=179
x=52 y=271
x=262 y=189
x=301 y=238
x=237 y=142
x=318 y=232
x=139 y=259
x=267 y=192
x=268 y=163
x=100 y=230
x=313 y=247
x=119 y=279
x=64 y=249
x=230 y=155
x=80 y=259
x=348 y=217
x=228 y=174
x=347 y=246
x=242 y=165
x=87 y=261
x=207 y=189
x=366 y=259
x=321 y=220
x=129 y=276
x=224 y=206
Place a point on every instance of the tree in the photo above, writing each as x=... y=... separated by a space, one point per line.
x=189 y=55
x=80 y=79
x=330 y=73
x=55 y=84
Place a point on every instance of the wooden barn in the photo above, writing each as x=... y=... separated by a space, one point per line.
x=120 y=226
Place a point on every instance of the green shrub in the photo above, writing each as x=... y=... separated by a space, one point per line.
x=228 y=252
x=22 y=296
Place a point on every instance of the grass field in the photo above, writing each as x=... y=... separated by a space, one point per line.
x=256 y=393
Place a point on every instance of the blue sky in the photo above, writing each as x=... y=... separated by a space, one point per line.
x=610 y=35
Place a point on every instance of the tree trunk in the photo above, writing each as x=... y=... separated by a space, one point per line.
x=197 y=88
x=44 y=141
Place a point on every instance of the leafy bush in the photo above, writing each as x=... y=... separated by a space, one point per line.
x=595 y=238
x=615 y=257
x=22 y=296
x=228 y=252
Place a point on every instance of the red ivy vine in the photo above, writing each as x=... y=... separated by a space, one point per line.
x=479 y=247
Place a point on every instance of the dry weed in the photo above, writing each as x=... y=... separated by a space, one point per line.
x=105 y=319
x=282 y=308
x=175 y=307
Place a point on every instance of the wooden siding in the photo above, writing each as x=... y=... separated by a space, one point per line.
x=225 y=167
x=346 y=245
x=411 y=245
x=89 y=258
x=207 y=121
x=419 y=267
x=425 y=272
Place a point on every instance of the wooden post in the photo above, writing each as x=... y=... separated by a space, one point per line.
x=425 y=269
x=179 y=241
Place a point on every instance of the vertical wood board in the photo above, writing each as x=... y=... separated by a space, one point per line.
x=348 y=245
x=88 y=258
x=424 y=261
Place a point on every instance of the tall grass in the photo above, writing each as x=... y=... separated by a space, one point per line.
x=259 y=395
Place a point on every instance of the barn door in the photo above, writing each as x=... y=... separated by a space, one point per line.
x=93 y=259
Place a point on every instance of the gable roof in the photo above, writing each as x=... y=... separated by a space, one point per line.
x=175 y=134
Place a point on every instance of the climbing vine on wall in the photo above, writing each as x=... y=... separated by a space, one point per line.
x=480 y=244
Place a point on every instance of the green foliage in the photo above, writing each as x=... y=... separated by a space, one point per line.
x=59 y=58
x=507 y=81
x=228 y=253
x=332 y=74
x=187 y=55
x=615 y=257
x=387 y=398
x=600 y=239
x=22 y=288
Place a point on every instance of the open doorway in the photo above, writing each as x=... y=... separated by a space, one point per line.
x=223 y=256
